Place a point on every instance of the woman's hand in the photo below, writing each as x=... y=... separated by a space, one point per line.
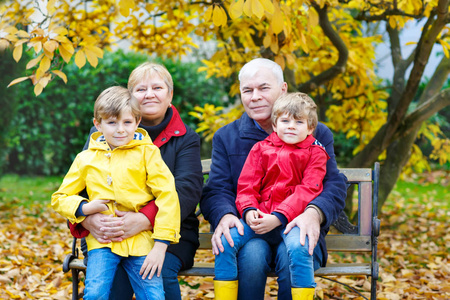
x=104 y=228
x=133 y=223
x=107 y=228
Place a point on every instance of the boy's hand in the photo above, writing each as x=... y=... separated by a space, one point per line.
x=95 y=206
x=154 y=261
x=265 y=223
x=251 y=217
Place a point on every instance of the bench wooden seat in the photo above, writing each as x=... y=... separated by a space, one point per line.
x=207 y=269
x=360 y=239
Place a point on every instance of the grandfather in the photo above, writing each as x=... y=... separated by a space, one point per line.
x=261 y=83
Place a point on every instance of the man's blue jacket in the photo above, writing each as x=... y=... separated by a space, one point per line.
x=231 y=145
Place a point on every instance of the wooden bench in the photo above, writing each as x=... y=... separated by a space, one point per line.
x=360 y=238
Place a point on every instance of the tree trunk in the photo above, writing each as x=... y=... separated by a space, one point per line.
x=398 y=154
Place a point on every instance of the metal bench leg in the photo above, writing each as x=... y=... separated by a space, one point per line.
x=373 y=289
x=75 y=281
x=376 y=224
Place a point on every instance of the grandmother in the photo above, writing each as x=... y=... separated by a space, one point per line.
x=152 y=85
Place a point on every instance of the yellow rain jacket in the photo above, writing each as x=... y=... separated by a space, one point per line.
x=130 y=176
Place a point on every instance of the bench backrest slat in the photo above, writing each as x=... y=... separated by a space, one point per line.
x=365 y=208
x=206 y=166
x=357 y=175
x=361 y=242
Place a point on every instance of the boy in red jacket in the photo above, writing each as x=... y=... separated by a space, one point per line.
x=281 y=175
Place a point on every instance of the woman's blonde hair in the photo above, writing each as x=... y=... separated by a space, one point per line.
x=297 y=105
x=113 y=101
x=147 y=70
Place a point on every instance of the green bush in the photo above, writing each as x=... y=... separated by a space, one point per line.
x=49 y=130
x=8 y=100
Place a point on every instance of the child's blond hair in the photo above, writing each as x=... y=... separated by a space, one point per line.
x=297 y=105
x=113 y=101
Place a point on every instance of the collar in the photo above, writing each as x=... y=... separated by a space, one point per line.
x=137 y=136
x=155 y=130
x=276 y=141
x=248 y=129
x=258 y=126
x=175 y=127
x=98 y=141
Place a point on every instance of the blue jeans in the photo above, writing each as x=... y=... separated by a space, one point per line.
x=122 y=289
x=255 y=259
x=100 y=273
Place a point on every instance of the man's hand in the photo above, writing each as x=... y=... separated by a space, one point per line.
x=265 y=223
x=154 y=261
x=309 y=224
x=228 y=221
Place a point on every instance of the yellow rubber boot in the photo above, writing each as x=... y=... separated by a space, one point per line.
x=302 y=293
x=225 y=290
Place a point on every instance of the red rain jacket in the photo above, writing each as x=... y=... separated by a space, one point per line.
x=280 y=177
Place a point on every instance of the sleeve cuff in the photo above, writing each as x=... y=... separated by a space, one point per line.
x=245 y=212
x=281 y=217
x=163 y=241
x=79 y=212
x=319 y=211
x=78 y=231
x=150 y=211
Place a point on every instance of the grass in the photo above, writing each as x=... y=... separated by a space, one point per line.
x=426 y=189
x=27 y=190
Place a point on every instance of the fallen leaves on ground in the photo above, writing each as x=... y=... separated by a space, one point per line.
x=413 y=252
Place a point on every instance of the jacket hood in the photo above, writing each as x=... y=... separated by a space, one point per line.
x=98 y=141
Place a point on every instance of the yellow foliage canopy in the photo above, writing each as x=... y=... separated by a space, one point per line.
x=292 y=33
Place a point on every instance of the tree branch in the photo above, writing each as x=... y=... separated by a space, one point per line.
x=398 y=80
x=390 y=10
x=437 y=80
x=430 y=102
x=336 y=40
x=421 y=59
x=395 y=45
x=422 y=113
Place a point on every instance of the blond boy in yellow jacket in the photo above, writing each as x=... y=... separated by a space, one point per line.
x=123 y=170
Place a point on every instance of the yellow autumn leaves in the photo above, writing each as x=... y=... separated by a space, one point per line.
x=211 y=119
x=251 y=8
x=218 y=14
x=51 y=43
x=412 y=251
x=47 y=43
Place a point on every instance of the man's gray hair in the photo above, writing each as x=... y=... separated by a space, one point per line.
x=253 y=66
